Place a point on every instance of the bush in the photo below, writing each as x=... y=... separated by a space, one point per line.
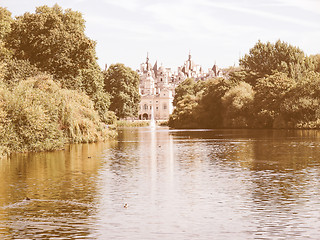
x=37 y=115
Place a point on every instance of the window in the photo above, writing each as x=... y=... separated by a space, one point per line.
x=145 y=106
x=164 y=106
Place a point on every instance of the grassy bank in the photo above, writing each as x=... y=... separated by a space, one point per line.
x=132 y=123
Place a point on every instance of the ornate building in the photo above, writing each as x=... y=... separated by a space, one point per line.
x=157 y=86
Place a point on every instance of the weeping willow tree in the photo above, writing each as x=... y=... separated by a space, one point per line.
x=38 y=115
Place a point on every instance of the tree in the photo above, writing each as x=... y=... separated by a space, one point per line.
x=17 y=70
x=210 y=110
x=183 y=115
x=271 y=92
x=122 y=83
x=38 y=115
x=5 y=27
x=188 y=87
x=316 y=61
x=267 y=58
x=302 y=105
x=5 y=22
x=53 y=40
x=238 y=103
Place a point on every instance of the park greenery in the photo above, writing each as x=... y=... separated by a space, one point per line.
x=275 y=86
x=122 y=83
x=52 y=90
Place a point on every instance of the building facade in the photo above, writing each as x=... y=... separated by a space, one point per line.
x=157 y=86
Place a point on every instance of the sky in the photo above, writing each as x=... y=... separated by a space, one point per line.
x=213 y=31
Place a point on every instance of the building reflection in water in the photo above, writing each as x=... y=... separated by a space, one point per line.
x=151 y=183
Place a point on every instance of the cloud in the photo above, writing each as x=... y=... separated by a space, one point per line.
x=250 y=10
x=308 y=5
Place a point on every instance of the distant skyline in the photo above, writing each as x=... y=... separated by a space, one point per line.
x=214 y=31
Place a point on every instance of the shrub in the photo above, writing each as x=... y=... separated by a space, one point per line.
x=37 y=115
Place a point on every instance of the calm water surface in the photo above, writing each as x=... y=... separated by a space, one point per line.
x=219 y=184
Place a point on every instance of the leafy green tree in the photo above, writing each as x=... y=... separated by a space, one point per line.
x=302 y=106
x=183 y=115
x=17 y=70
x=122 y=83
x=5 y=28
x=210 y=110
x=5 y=22
x=53 y=40
x=238 y=103
x=188 y=87
x=201 y=109
x=271 y=92
x=316 y=61
x=38 y=115
x=267 y=58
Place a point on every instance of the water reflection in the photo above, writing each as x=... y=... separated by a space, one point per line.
x=217 y=184
x=61 y=187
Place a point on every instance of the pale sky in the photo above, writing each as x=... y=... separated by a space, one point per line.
x=215 y=31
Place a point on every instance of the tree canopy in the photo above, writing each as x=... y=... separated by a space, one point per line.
x=268 y=58
x=123 y=85
x=53 y=40
x=276 y=86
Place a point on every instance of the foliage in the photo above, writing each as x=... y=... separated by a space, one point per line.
x=187 y=95
x=122 y=83
x=188 y=87
x=276 y=86
x=238 y=104
x=267 y=58
x=5 y=22
x=316 y=61
x=109 y=118
x=270 y=93
x=18 y=70
x=129 y=123
x=301 y=107
x=183 y=114
x=37 y=115
x=210 y=110
x=5 y=28
x=53 y=40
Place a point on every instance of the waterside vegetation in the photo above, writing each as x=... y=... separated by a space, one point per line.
x=52 y=91
x=275 y=86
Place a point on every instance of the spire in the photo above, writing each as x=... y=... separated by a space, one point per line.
x=214 y=68
x=155 y=68
x=190 y=65
x=147 y=61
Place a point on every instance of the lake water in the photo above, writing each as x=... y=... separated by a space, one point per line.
x=167 y=184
